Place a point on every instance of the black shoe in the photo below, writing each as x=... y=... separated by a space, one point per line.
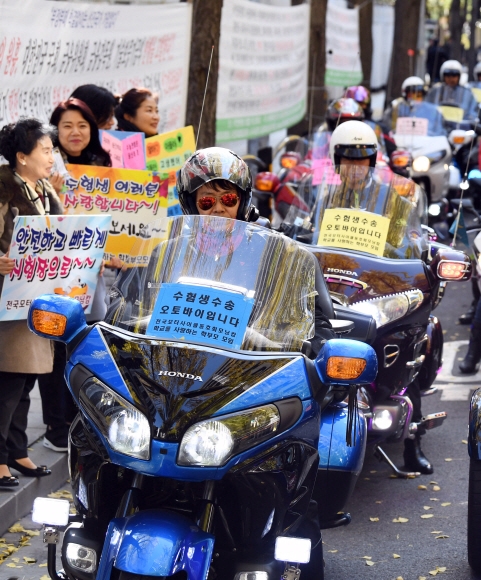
x=28 y=471
x=414 y=458
x=57 y=439
x=6 y=481
x=467 y=317
x=473 y=356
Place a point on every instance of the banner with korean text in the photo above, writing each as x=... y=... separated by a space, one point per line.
x=263 y=61
x=49 y=48
x=343 y=63
x=133 y=198
x=53 y=255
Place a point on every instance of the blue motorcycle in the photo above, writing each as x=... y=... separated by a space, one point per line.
x=203 y=423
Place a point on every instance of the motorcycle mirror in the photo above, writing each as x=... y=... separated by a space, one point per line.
x=56 y=317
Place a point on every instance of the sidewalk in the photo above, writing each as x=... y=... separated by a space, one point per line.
x=16 y=504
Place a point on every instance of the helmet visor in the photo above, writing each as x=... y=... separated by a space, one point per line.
x=214 y=163
x=451 y=73
x=355 y=151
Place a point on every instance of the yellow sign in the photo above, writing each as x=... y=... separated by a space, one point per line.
x=134 y=198
x=477 y=94
x=354 y=229
x=168 y=151
x=454 y=114
x=166 y=154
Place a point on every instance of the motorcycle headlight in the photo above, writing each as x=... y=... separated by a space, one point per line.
x=213 y=442
x=388 y=308
x=421 y=164
x=126 y=429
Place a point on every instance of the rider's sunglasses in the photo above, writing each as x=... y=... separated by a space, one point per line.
x=207 y=202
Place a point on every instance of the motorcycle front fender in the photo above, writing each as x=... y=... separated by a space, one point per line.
x=156 y=543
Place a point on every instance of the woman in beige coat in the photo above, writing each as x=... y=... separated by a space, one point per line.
x=24 y=190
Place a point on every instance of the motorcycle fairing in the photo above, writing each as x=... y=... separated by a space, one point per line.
x=339 y=465
x=93 y=354
x=333 y=452
x=246 y=380
x=355 y=276
x=156 y=543
x=179 y=384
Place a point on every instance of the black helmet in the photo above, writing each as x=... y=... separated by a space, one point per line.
x=214 y=163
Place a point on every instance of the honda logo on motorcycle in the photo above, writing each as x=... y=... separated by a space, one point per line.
x=181 y=375
x=338 y=271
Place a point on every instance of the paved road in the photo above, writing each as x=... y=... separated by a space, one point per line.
x=421 y=544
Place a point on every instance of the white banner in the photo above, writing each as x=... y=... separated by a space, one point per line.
x=53 y=255
x=49 y=48
x=263 y=61
x=343 y=61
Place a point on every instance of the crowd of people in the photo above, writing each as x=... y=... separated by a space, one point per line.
x=29 y=186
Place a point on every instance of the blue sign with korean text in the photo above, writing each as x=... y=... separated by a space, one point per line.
x=200 y=314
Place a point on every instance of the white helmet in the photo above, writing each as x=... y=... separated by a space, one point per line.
x=353 y=140
x=450 y=66
x=477 y=71
x=413 y=83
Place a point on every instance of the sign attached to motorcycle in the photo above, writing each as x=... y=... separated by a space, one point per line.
x=354 y=229
x=412 y=126
x=200 y=314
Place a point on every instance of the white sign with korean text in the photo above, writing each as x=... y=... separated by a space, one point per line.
x=263 y=61
x=412 y=126
x=53 y=255
x=343 y=62
x=49 y=48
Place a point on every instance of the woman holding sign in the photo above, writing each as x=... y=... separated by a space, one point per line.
x=138 y=112
x=79 y=143
x=24 y=190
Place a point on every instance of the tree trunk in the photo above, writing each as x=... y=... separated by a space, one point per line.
x=406 y=26
x=472 y=40
x=456 y=21
x=365 y=40
x=316 y=94
x=205 y=35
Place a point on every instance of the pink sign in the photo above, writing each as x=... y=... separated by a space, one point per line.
x=134 y=152
x=127 y=149
x=114 y=147
x=324 y=172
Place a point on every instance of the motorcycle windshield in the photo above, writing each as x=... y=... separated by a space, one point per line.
x=363 y=209
x=419 y=119
x=218 y=282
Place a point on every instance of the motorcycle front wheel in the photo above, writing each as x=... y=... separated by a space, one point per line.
x=474 y=515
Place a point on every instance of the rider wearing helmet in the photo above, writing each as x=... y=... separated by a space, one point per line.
x=362 y=97
x=354 y=143
x=449 y=91
x=216 y=181
x=411 y=104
